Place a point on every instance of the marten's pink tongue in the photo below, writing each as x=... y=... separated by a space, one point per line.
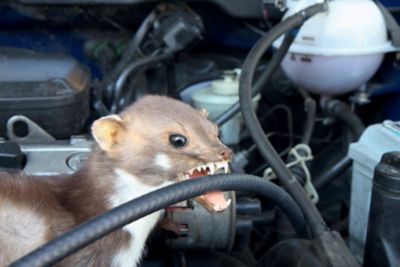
x=214 y=201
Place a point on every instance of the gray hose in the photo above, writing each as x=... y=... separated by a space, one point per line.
x=313 y=217
x=116 y=218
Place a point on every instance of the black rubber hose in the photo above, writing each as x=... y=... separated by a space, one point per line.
x=340 y=111
x=332 y=172
x=313 y=217
x=116 y=218
x=261 y=81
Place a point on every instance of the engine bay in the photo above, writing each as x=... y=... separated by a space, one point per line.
x=292 y=99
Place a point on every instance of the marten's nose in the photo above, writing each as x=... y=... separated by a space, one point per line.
x=226 y=153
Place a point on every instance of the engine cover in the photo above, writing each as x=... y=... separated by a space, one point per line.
x=52 y=91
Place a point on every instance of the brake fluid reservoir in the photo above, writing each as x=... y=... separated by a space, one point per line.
x=217 y=97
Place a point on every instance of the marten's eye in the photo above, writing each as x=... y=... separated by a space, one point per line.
x=177 y=140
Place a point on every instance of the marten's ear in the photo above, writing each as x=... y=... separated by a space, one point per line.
x=107 y=131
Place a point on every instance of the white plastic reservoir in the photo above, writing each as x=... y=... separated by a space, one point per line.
x=366 y=154
x=337 y=51
x=217 y=97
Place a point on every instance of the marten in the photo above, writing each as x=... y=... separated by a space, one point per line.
x=153 y=143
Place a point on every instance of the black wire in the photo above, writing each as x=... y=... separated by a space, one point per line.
x=132 y=47
x=131 y=50
x=313 y=217
x=140 y=63
x=331 y=172
x=116 y=218
x=310 y=107
x=289 y=115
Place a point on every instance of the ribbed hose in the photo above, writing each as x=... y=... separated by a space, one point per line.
x=313 y=217
x=265 y=76
x=116 y=218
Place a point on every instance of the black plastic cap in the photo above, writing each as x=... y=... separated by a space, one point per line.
x=387 y=172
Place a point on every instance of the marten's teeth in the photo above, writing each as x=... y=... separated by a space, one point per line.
x=210 y=166
x=222 y=166
x=183 y=176
x=208 y=169
x=226 y=167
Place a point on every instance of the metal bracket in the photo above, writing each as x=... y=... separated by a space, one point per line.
x=30 y=132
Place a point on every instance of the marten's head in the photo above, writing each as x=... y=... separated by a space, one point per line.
x=160 y=139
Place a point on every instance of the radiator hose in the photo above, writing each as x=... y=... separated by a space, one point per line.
x=116 y=218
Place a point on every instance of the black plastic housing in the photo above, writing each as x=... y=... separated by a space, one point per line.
x=383 y=236
x=53 y=91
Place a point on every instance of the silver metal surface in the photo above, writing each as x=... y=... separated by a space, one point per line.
x=34 y=134
x=55 y=158
x=44 y=154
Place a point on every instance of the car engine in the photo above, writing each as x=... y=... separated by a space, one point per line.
x=302 y=90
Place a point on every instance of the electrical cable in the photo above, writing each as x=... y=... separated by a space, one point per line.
x=331 y=172
x=140 y=63
x=116 y=218
x=313 y=217
x=310 y=107
x=132 y=47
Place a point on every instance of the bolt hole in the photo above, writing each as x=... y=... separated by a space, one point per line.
x=20 y=129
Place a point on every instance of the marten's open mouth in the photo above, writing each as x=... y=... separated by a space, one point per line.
x=213 y=201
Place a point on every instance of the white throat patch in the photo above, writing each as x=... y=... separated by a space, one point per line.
x=163 y=161
x=128 y=187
